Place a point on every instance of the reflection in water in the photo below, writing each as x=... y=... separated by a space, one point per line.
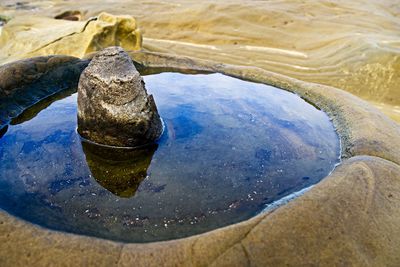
x=229 y=148
x=119 y=170
x=3 y=130
x=32 y=111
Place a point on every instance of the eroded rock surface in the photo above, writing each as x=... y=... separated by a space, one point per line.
x=30 y=36
x=113 y=105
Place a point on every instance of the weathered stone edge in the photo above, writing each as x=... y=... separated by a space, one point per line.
x=35 y=79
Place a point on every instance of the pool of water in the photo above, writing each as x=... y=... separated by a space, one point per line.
x=229 y=148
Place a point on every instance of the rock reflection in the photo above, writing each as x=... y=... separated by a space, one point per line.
x=119 y=170
x=3 y=131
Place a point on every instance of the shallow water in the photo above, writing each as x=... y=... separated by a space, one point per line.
x=352 y=45
x=229 y=148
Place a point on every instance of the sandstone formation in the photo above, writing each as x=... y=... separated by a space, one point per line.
x=24 y=37
x=74 y=15
x=113 y=105
x=325 y=42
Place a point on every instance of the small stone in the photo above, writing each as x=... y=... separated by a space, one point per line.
x=113 y=105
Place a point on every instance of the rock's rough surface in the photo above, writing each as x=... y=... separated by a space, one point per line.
x=113 y=105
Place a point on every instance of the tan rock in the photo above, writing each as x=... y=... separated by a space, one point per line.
x=29 y=36
x=73 y=15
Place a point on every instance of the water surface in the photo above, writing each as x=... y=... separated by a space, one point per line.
x=229 y=148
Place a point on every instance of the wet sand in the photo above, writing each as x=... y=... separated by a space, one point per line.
x=354 y=45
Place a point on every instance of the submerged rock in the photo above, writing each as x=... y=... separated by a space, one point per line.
x=113 y=105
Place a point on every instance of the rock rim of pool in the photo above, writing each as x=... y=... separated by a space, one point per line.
x=351 y=217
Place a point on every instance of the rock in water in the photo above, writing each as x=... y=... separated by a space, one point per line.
x=113 y=105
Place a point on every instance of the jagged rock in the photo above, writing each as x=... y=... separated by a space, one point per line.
x=113 y=105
